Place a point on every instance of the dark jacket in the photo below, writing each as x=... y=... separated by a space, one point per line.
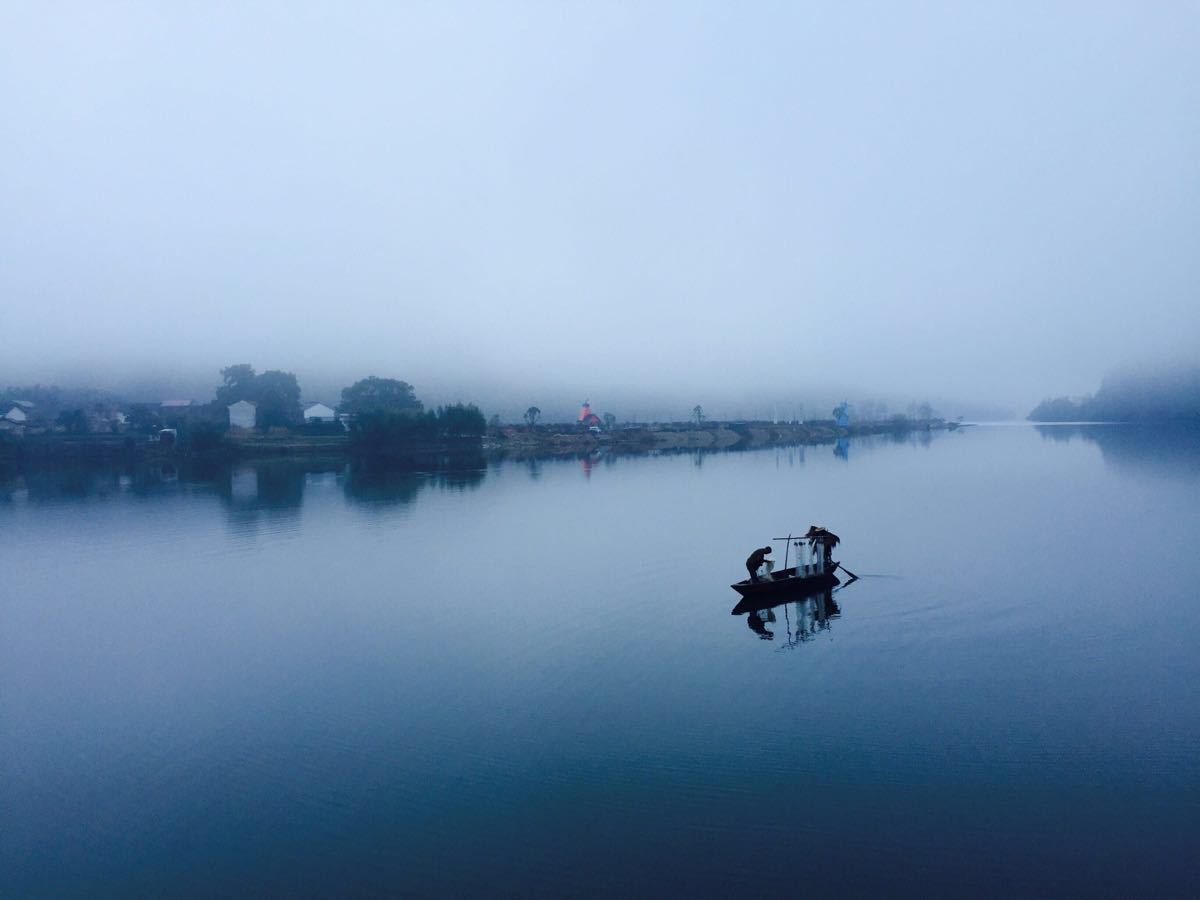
x=755 y=559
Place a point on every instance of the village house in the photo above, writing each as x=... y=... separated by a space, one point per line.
x=243 y=414
x=319 y=413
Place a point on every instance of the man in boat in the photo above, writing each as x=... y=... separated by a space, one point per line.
x=755 y=560
x=819 y=534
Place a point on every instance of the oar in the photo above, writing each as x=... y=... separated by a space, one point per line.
x=847 y=571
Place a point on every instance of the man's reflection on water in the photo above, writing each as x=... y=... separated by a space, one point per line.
x=755 y=621
x=804 y=615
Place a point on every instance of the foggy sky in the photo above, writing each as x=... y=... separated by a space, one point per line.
x=637 y=203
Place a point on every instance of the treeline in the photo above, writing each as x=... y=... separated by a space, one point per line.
x=383 y=412
x=1164 y=395
x=379 y=429
x=375 y=411
x=51 y=401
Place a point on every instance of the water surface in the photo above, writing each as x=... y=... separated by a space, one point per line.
x=527 y=678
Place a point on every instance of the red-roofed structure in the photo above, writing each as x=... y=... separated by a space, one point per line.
x=587 y=418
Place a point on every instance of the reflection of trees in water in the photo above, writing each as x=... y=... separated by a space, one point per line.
x=1166 y=451
x=588 y=462
x=381 y=485
x=84 y=482
x=375 y=482
x=280 y=487
x=63 y=484
x=271 y=492
x=1059 y=434
x=908 y=437
x=461 y=480
x=793 y=456
x=248 y=491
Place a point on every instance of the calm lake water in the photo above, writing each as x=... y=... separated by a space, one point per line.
x=527 y=679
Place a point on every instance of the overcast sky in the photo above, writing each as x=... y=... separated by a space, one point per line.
x=512 y=202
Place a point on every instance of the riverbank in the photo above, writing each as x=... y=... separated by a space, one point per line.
x=540 y=441
x=565 y=440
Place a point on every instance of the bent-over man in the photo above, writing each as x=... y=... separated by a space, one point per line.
x=754 y=560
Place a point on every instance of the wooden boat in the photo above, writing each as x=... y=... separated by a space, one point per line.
x=798 y=579
x=814 y=570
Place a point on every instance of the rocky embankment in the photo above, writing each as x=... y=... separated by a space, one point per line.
x=564 y=439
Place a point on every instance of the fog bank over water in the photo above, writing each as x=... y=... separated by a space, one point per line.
x=646 y=207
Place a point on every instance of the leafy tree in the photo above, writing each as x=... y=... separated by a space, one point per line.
x=609 y=421
x=494 y=422
x=378 y=433
x=50 y=400
x=698 y=413
x=239 y=384
x=275 y=393
x=532 y=415
x=460 y=420
x=1062 y=409
x=380 y=395
x=278 y=397
x=205 y=435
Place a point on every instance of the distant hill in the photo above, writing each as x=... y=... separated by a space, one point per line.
x=1164 y=395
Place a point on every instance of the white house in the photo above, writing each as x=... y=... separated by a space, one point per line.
x=319 y=412
x=243 y=414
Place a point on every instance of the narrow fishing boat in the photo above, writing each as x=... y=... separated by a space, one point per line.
x=815 y=567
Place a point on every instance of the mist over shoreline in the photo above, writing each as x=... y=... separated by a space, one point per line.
x=1162 y=392
x=646 y=206
x=557 y=400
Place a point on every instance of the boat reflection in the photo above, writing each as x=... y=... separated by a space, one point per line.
x=804 y=615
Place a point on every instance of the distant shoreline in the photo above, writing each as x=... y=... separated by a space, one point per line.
x=559 y=441
x=514 y=441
